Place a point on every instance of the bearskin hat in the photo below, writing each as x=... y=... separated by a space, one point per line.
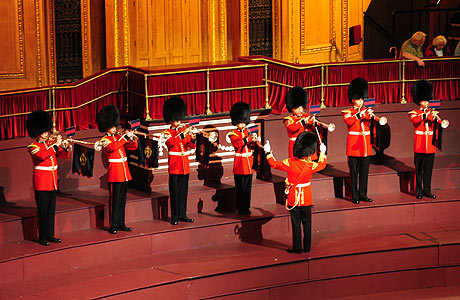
x=240 y=113
x=305 y=144
x=296 y=97
x=38 y=122
x=422 y=90
x=174 y=109
x=108 y=117
x=357 y=89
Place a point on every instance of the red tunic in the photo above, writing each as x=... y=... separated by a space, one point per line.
x=114 y=149
x=423 y=138
x=359 y=135
x=178 y=143
x=242 y=164
x=45 y=164
x=294 y=127
x=300 y=194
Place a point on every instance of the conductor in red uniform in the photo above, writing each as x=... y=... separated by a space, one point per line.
x=243 y=143
x=114 y=146
x=178 y=141
x=359 y=148
x=44 y=153
x=299 y=121
x=423 y=120
x=298 y=185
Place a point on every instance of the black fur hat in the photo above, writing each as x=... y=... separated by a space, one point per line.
x=305 y=144
x=422 y=90
x=357 y=89
x=174 y=109
x=240 y=113
x=108 y=117
x=38 y=122
x=296 y=97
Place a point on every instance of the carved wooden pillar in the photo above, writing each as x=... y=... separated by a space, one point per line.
x=217 y=30
x=117 y=33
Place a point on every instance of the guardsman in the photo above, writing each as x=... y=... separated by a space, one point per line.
x=359 y=148
x=178 y=140
x=243 y=143
x=298 y=185
x=299 y=121
x=423 y=120
x=44 y=151
x=114 y=146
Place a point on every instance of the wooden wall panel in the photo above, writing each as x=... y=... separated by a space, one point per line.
x=12 y=33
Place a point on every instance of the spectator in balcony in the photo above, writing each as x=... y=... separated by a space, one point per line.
x=412 y=48
x=439 y=47
x=457 y=50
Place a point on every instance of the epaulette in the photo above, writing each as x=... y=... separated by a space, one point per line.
x=33 y=145
x=314 y=165
x=166 y=132
x=104 y=139
x=286 y=162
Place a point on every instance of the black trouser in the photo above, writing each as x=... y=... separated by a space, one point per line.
x=46 y=207
x=178 y=192
x=359 y=166
x=117 y=203
x=243 y=185
x=301 y=214
x=423 y=171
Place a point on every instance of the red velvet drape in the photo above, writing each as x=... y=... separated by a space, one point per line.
x=85 y=116
x=177 y=83
x=235 y=78
x=17 y=103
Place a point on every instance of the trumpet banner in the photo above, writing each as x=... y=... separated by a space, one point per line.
x=83 y=160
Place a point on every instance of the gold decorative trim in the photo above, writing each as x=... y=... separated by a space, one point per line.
x=317 y=49
x=39 y=50
x=213 y=30
x=125 y=32
x=115 y=32
x=345 y=29
x=84 y=6
x=223 y=30
x=52 y=43
x=276 y=19
x=291 y=26
x=245 y=37
x=20 y=45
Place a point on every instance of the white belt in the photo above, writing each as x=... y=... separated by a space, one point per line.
x=179 y=153
x=359 y=133
x=300 y=185
x=53 y=168
x=423 y=132
x=118 y=160
x=292 y=139
x=247 y=154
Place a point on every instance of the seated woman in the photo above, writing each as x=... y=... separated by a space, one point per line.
x=438 y=48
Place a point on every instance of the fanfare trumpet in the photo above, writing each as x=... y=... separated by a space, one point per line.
x=211 y=135
x=382 y=120
x=330 y=127
x=67 y=143
x=444 y=123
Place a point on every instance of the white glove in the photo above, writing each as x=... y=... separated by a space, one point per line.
x=267 y=147
x=322 y=148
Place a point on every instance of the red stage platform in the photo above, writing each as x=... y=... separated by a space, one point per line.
x=395 y=244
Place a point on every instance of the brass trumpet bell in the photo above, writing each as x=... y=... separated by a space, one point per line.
x=383 y=120
x=445 y=123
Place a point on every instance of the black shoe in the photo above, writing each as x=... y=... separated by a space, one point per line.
x=55 y=240
x=290 y=250
x=174 y=222
x=355 y=201
x=418 y=196
x=306 y=250
x=244 y=212
x=112 y=230
x=44 y=243
x=124 y=228
x=430 y=196
x=186 y=219
x=366 y=199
